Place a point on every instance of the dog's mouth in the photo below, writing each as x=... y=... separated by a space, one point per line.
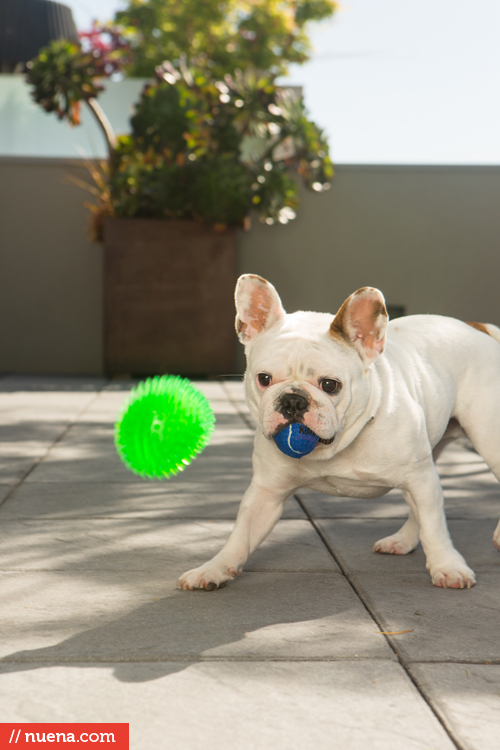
x=305 y=430
x=324 y=441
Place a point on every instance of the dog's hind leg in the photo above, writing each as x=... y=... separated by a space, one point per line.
x=482 y=426
x=496 y=537
x=452 y=432
x=407 y=538
x=491 y=455
x=482 y=420
x=423 y=493
x=488 y=447
x=403 y=541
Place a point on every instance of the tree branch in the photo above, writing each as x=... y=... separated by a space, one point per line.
x=105 y=126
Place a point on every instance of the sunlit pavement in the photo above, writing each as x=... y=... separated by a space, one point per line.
x=293 y=654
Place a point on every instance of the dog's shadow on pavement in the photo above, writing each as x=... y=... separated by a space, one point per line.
x=270 y=615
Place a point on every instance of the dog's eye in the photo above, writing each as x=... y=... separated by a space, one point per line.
x=330 y=386
x=264 y=379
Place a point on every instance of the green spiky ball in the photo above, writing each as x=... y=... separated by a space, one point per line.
x=163 y=425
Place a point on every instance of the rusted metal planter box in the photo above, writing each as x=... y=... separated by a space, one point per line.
x=168 y=298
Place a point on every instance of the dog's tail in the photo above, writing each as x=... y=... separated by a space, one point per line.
x=488 y=328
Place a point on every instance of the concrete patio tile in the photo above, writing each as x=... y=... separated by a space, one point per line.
x=222 y=706
x=19 y=406
x=90 y=456
x=236 y=393
x=459 y=503
x=474 y=539
x=103 y=412
x=65 y=617
x=212 y=389
x=13 y=470
x=320 y=505
x=470 y=491
x=100 y=414
x=87 y=453
x=40 y=609
x=21 y=449
x=236 y=390
x=149 y=544
x=111 y=589
x=30 y=422
x=460 y=460
x=65 y=500
x=30 y=438
x=22 y=445
x=110 y=401
x=353 y=540
x=476 y=503
x=230 y=429
x=287 y=655
x=50 y=383
x=4 y=491
x=467 y=698
x=446 y=624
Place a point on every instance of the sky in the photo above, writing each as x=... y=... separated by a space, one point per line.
x=396 y=81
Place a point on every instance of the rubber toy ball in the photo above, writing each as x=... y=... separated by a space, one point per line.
x=164 y=424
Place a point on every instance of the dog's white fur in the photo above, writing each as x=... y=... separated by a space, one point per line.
x=402 y=397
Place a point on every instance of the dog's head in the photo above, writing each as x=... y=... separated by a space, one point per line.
x=308 y=367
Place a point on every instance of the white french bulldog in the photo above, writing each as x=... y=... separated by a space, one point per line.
x=382 y=405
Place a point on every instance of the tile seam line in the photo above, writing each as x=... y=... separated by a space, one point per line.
x=196 y=659
x=441 y=719
x=470 y=662
x=147 y=515
x=60 y=437
x=160 y=568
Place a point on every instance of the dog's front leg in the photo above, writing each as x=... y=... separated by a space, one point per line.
x=424 y=495
x=259 y=511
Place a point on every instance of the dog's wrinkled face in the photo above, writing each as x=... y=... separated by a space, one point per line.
x=307 y=367
x=291 y=377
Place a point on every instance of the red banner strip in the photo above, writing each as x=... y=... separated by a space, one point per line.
x=23 y=736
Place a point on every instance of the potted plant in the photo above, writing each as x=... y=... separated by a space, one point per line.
x=206 y=151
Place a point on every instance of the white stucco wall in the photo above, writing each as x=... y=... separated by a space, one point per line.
x=428 y=237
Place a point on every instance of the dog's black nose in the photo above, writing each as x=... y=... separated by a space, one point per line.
x=293 y=405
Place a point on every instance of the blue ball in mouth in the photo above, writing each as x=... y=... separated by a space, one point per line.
x=296 y=440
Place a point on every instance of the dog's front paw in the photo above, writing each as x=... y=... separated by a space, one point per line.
x=210 y=576
x=456 y=574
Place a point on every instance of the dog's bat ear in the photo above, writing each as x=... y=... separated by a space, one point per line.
x=362 y=321
x=258 y=306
